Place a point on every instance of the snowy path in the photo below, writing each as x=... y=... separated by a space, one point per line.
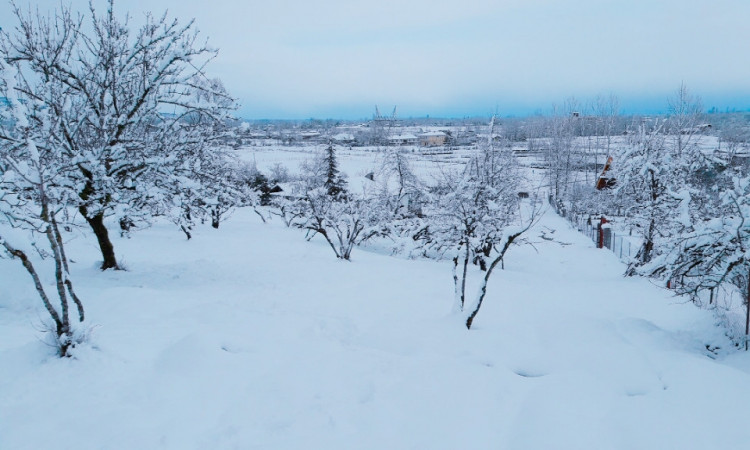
x=251 y=337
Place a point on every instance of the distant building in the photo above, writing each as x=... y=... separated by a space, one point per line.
x=403 y=139
x=343 y=138
x=698 y=129
x=309 y=135
x=433 y=139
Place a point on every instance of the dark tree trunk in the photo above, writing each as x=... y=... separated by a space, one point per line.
x=37 y=282
x=102 y=236
x=648 y=245
x=483 y=289
x=125 y=225
x=644 y=252
x=62 y=325
x=215 y=217
x=747 y=314
x=455 y=279
x=483 y=252
x=460 y=285
x=463 y=276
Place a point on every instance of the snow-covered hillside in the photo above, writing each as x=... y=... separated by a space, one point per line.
x=250 y=337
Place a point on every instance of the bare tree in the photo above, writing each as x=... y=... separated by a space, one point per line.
x=561 y=150
x=607 y=110
x=684 y=119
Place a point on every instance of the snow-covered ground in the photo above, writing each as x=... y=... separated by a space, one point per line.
x=356 y=162
x=249 y=337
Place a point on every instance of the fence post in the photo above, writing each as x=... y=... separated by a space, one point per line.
x=605 y=237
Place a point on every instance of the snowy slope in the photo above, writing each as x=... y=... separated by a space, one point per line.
x=250 y=337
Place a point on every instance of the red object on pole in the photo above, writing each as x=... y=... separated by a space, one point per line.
x=604 y=182
x=600 y=241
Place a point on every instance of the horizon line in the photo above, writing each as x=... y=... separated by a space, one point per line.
x=518 y=115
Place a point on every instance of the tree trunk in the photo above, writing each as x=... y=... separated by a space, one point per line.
x=68 y=283
x=37 y=282
x=483 y=289
x=102 y=236
x=62 y=328
x=456 y=296
x=644 y=252
x=64 y=333
x=215 y=217
x=460 y=289
x=648 y=245
x=747 y=314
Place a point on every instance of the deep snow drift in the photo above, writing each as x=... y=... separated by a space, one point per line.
x=250 y=337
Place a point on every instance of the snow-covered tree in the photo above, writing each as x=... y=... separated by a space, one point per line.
x=401 y=191
x=334 y=183
x=291 y=209
x=643 y=172
x=325 y=207
x=734 y=140
x=343 y=221
x=129 y=107
x=658 y=173
x=34 y=193
x=607 y=110
x=684 y=119
x=477 y=213
x=208 y=185
x=561 y=150
x=713 y=251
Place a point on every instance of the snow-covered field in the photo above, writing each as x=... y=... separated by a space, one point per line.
x=250 y=337
x=355 y=161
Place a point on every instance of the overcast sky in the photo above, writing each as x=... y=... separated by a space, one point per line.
x=339 y=58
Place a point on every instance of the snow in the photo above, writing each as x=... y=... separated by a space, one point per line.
x=251 y=337
x=403 y=137
x=356 y=164
x=343 y=137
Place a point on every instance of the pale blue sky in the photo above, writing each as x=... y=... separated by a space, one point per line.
x=338 y=58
